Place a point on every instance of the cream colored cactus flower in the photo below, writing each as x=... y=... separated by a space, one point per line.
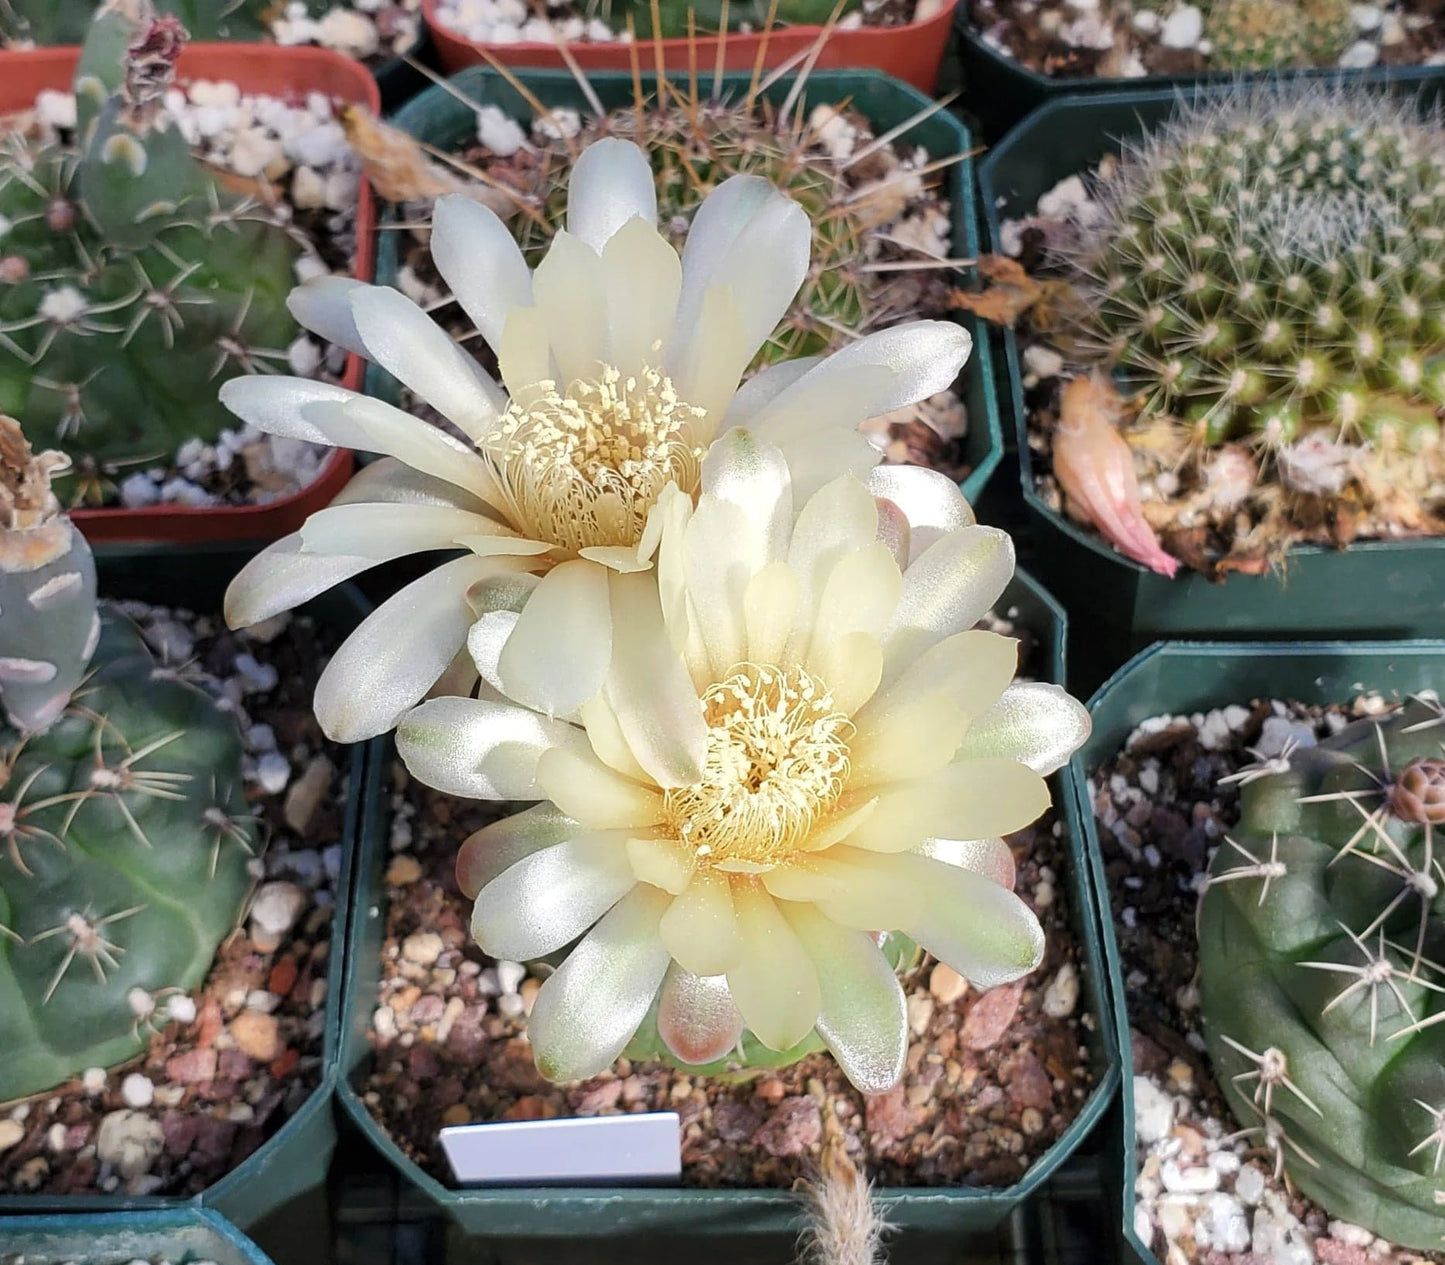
x=801 y=740
x=621 y=363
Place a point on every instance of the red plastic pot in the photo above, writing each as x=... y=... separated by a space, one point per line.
x=912 y=53
x=281 y=72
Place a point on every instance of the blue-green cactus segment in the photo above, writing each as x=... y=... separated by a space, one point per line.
x=1321 y=939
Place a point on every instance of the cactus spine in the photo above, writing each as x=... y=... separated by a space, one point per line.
x=124 y=838
x=1320 y=943
x=137 y=285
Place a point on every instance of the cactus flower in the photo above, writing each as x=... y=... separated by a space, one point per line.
x=801 y=740
x=621 y=363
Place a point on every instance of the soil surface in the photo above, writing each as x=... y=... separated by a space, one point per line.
x=228 y=1065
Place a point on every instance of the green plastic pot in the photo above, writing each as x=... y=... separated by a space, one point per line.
x=621 y=1212
x=278 y=1194
x=443 y=120
x=177 y=1237
x=1183 y=677
x=1002 y=90
x=1124 y=606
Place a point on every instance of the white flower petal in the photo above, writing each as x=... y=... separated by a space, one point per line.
x=478 y=748
x=604 y=732
x=274 y=403
x=611 y=182
x=524 y=354
x=851 y=667
x=864 y=1017
x=558 y=655
x=840 y=518
x=724 y=550
x=415 y=350
x=568 y=292
x=696 y=1017
x=641 y=275
x=398 y=651
x=587 y=790
x=392 y=482
x=766 y=385
x=916 y=738
x=970 y=799
x=949 y=587
x=859 y=595
x=490 y=543
x=623 y=559
x=387 y=531
x=649 y=687
x=590 y=1008
x=281 y=577
x=752 y=475
x=498 y=846
x=548 y=899
x=699 y=928
x=749 y=238
x=877 y=374
x=972 y=669
x=992 y=858
x=773 y=983
x=323 y=305
x=823 y=455
x=854 y=888
x=770 y=604
x=1036 y=724
x=933 y=503
x=480 y=261
x=705 y=371
x=663 y=862
x=372 y=426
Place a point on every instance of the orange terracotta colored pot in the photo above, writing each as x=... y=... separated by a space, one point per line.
x=280 y=72
x=912 y=53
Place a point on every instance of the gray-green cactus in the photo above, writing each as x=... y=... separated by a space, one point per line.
x=708 y=15
x=66 y=21
x=1321 y=940
x=1267 y=34
x=124 y=836
x=1269 y=262
x=135 y=284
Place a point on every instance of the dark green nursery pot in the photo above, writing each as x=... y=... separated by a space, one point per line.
x=177 y=1237
x=621 y=1212
x=1379 y=589
x=444 y=120
x=1183 y=677
x=278 y=1194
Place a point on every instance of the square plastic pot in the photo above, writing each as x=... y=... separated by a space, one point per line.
x=278 y=1194
x=442 y=120
x=178 y=1236
x=282 y=72
x=1183 y=677
x=619 y=1212
x=1377 y=589
x=912 y=52
x=1002 y=90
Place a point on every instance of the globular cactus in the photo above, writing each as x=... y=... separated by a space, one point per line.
x=137 y=285
x=67 y=21
x=124 y=835
x=695 y=146
x=1269 y=262
x=1321 y=938
x=1269 y=34
x=709 y=16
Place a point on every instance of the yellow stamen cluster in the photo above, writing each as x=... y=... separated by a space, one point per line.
x=582 y=468
x=777 y=760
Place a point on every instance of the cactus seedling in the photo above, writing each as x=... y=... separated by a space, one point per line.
x=124 y=839
x=1320 y=946
x=138 y=285
x=1267 y=34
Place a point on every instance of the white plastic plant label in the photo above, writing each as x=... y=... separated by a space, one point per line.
x=605 y=1150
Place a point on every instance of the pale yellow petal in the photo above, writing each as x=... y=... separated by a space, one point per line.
x=971 y=799
x=851 y=668
x=839 y=519
x=568 y=292
x=700 y=928
x=773 y=981
x=557 y=657
x=663 y=862
x=1034 y=723
x=972 y=668
x=525 y=356
x=605 y=735
x=696 y=1016
x=915 y=738
x=770 y=603
x=642 y=275
x=589 y=792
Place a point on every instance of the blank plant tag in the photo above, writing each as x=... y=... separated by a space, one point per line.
x=604 y=1150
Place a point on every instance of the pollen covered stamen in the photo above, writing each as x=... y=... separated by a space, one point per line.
x=777 y=760
x=581 y=468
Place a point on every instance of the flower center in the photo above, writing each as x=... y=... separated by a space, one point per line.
x=582 y=468
x=777 y=758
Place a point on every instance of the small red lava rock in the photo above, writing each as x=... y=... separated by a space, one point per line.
x=1338 y=1252
x=209 y=1022
x=735 y=1121
x=285 y=1065
x=1027 y=1082
x=599 y=1098
x=283 y=976
x=888 y=1116
x=530 y=1107
x=234 y=1065
x=468 y=1037
x=771 y=1090
x=795 y=1127
x=989 y=1017
x=194 y=1067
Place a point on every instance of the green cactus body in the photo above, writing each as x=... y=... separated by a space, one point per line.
x=708 y=16
x=142 y=285
x=124 y=837
x=1255 y=34
x=692 y=154
x=1320 y=942
x=67 y=21
x=1268 y=264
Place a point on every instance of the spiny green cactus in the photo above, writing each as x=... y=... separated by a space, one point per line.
x=136 y=284
x=1268 y=34
x=694 y=147
x=1269 y=261
x=708 y=16
x=67 y=21
x=124 y=838
x=1321 y=939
